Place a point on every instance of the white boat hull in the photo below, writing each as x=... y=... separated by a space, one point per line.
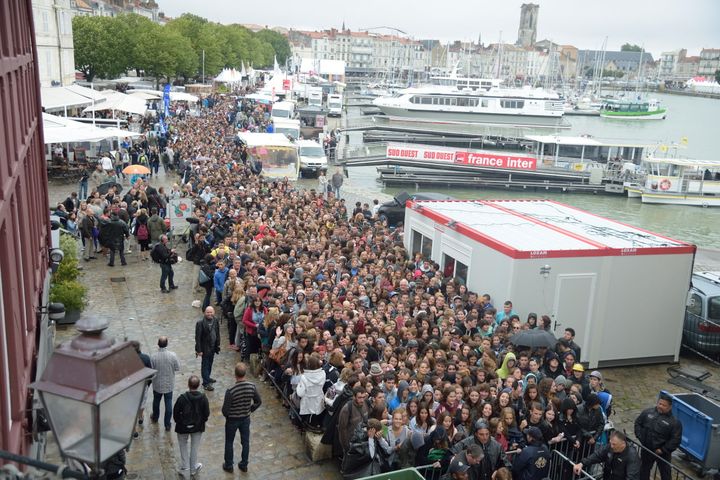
x=679 y=199
x=473 y=117
x=650 y=116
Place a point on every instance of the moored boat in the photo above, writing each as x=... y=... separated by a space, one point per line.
x=679 y=181
x=633 y=109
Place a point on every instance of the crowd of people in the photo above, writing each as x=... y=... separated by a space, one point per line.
x=396 y=363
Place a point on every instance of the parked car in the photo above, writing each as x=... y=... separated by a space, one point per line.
x=394 y=210
x=701 y=329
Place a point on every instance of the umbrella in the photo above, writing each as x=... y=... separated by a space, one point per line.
x=534 y=338
x=104 y=187
x=136 y=170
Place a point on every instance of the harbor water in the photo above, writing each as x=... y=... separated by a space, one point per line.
x=693 y=118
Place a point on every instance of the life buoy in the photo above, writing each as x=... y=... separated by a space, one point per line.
x=665 y=184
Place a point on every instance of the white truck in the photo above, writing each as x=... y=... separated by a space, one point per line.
x=315 y=97
x=282 y=110
x=288 y=127
x=312 y=157
x=335 y=105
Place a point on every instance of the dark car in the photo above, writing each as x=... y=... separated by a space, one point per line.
x=394 y=210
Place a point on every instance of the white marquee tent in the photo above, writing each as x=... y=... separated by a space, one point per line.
x=63 y=130
x=118 y=101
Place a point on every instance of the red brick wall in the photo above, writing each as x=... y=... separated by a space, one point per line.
x=24 y=224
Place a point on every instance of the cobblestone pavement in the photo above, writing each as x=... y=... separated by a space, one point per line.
x=130 y=298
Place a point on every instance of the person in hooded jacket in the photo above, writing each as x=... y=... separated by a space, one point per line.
x=591 y=421
x=508 y=364
x=571 y=432
x=310 y=391
x=190 y=427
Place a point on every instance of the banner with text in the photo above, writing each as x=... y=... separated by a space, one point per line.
x=460 y=157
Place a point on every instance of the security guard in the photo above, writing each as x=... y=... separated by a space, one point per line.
x=660 y=433
x=619 y=461
x=533 y=463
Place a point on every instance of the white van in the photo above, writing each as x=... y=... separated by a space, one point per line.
x=315 y=97
x=283 y=110
x=312 y=157
x=335 y=105
x=289 y=128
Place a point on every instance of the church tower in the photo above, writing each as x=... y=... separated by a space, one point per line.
x=527 y=32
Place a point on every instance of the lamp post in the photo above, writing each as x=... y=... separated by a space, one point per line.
x=91 y=389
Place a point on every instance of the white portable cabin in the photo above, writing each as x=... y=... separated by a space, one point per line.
x=621 y=288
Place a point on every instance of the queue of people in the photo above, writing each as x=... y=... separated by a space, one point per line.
x=397 y=363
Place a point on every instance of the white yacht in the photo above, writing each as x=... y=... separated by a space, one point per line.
x=475 y=100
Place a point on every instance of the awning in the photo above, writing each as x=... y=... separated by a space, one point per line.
x=59 y=98
x=120 y=102
x=62 y=130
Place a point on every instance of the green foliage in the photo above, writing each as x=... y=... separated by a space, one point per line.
x=629 y=47
x=71 y=294
x=109 y=46
x=100 y=46
x=278 y=42
x=65 y=287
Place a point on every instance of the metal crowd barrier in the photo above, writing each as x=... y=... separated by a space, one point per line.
x=675 y=472
x=304 y=425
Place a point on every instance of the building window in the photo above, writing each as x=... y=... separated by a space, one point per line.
x=421 y=244
x=454 y=269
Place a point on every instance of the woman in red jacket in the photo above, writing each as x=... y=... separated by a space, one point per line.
x=252 y=318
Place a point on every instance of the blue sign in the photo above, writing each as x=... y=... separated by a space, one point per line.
x=166 y=100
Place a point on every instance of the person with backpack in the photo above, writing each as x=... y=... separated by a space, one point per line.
x=164 y=256
x=206 y=278
x=156 y=226
x=142 y=233
x=190 y=413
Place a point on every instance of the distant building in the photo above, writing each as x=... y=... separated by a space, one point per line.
x=669 y=62
x=54 y=38
x=709 y=62
x=25 y=330
x=626 y=62
x=687 y=68
x=527 y=32
x=112 y=8
x=364 y=53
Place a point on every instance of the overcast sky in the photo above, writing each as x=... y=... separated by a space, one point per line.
x=659 y=25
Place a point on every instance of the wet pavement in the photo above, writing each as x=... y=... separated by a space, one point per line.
x=130 y=298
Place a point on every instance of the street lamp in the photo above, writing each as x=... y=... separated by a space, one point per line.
x=91 y=389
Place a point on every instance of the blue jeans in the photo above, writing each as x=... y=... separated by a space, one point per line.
x=82 y=194
x=336 y=191
x=166 y=273
x=206 y=367
x=168 y=407
x=231 y=426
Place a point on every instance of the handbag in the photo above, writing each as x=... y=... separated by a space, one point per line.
x=278 y=354
x=202 y=277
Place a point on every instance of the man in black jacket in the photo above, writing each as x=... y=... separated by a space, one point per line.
x=163 y=256
x=533 y=463
x=207 y=344
x=117 y=231
x=619 y=461
x=190 y=413
x=660 y=433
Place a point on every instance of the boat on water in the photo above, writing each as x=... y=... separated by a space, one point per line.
x=678 y=181
x=474 y=100
x=626 y=109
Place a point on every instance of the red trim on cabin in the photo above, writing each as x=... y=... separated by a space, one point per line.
x=505 y=249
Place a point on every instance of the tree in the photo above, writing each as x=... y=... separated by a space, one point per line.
x=164 y=53
x=136 y=26
x=98 y=47
x=629 y=47
x=278 y=42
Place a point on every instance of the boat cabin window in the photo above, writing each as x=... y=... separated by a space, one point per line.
x=484 y=103
x=512 y=103
x=426 y=100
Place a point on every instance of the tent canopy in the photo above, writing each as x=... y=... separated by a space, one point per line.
x=121 y=102
x=58 y=98
x=62 y=130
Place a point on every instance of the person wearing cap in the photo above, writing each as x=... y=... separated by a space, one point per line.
x=471 y=457
x=591 y=422
x=578 y=377
x=559 y=386
x=533 y=463
x=493 y=454
x=660 y=433
x=595 y=380
x=458 y=470
x=619 y=461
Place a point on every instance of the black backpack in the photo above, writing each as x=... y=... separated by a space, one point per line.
x=190 y=418
x=155 y=254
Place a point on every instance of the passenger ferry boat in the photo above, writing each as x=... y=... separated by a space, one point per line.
x=475 y=100
x=633 y=109
x=678 y=181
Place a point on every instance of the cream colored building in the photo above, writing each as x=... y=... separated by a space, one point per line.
x=54 y=36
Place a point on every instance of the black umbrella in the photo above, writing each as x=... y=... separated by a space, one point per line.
x=104 y=187
x=534 y=338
